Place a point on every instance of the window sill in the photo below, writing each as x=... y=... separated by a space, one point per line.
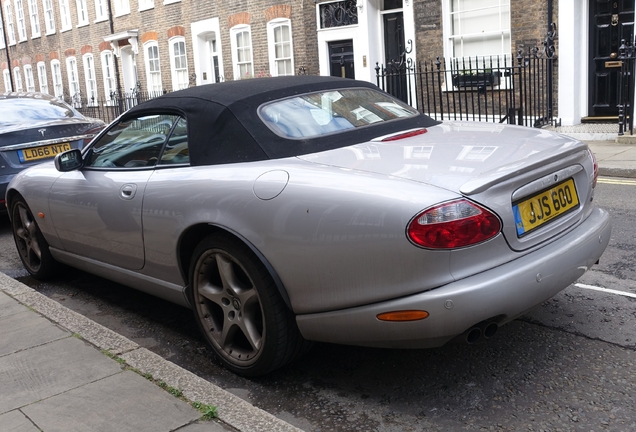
x=167 y=2
x=49 y=33
x=38 y=36
x=119 y=15
x=98 y=20
x=82 y=25
x=141 y=9
x=66 y=29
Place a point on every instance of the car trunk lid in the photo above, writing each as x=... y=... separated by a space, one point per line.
x=498 y=166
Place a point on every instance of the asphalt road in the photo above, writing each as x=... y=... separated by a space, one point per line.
x=567 y=365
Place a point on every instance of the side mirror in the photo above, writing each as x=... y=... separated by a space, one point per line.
x=69 y=160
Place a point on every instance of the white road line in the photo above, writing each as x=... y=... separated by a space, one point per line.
x=605 y=290
x=606 y=180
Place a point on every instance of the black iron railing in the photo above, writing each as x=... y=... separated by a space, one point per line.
x=108 y=109
x=627 y=56
x=493 y=89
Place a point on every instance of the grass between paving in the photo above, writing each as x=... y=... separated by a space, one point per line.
x=208 y=412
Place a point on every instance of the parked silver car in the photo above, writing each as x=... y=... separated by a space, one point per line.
x=35 y=127
x=296 y=209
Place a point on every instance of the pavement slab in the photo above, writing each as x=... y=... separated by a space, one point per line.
x=47 y=370
x=15 y=421
x=26 y=329
x=125 y=402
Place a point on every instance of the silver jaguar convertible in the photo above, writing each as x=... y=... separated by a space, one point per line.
x=298 y=209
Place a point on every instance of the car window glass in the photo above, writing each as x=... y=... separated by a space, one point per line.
x=15 y=110
x=132 y=143
x=324 y=113
x=176 y=149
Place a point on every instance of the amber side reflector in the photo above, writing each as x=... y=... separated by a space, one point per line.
x=41 y=215
x=407 y=315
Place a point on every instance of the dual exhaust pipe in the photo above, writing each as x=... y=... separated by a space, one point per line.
x=485 y=329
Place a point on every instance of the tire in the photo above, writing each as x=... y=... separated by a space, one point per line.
x=32 y=247
x=239 y=310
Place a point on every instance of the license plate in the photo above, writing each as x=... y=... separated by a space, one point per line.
x=35 y=153
x=545 y=206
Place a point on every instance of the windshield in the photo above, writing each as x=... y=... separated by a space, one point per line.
x=324 y=113
x=25 y=110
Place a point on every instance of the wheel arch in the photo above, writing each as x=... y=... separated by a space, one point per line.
x=193 y=235
x=12 y=194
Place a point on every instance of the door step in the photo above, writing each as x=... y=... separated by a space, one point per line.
x=600 y=119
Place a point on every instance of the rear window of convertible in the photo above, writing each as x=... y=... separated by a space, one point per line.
x=324 y=113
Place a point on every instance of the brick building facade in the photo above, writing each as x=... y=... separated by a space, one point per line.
x=93 y=47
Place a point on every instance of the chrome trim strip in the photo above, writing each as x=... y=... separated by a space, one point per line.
x=46 y=142
x=545 y=182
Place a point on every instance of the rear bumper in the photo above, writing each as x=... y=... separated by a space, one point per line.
x=506 y=292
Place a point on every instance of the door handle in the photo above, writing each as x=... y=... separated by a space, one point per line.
x=128 y=191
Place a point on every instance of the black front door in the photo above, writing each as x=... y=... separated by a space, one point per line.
x=395 y=55
x=610 y=22
x=341 y=59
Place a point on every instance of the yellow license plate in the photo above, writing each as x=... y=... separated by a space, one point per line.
x=545 y=206
x=35 y=153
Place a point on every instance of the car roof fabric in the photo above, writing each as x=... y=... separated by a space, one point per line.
x=224 y=125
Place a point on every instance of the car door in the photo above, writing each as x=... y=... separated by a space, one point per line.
x=97 y=211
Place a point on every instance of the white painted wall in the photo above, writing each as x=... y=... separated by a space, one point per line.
x=572 y=52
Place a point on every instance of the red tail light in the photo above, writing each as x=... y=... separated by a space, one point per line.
x=595 y=163
x=408 y=134
x=452 y=225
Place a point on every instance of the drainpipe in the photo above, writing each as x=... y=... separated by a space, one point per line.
x=111 y=25
x=6 y=46
x=550 y=12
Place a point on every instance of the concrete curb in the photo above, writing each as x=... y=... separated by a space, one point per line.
x=231 y=409
x=617 y=172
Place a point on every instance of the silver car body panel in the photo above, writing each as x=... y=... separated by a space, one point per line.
x=506 y=292
x=333 y=226
x=157 y=287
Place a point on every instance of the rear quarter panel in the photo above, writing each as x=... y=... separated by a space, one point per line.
x=336 y=237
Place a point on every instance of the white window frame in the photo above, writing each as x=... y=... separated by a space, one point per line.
x=101 y=10
x=82 y=13
x=74 y=89
x=42 y=77
x=271 y=45
x=17 y=79
x=28 y=78
x=3 y=42
x=108 y=75
x=90 y=79
x=49 y=16
x=8 y=8
x=244 y=64
x=65 y=15
x=146 y=4
x=34 y=16
x=180 y=78
x=56 y=77
x=153 y=68
x=449 y=37
x=122 y=7
x=20 y=20
x=6 y=75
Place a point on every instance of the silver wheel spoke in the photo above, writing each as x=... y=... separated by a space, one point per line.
x=248 y=325
x=228 y=277
x=211 y=293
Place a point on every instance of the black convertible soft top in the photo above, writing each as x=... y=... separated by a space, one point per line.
x=224 y=125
